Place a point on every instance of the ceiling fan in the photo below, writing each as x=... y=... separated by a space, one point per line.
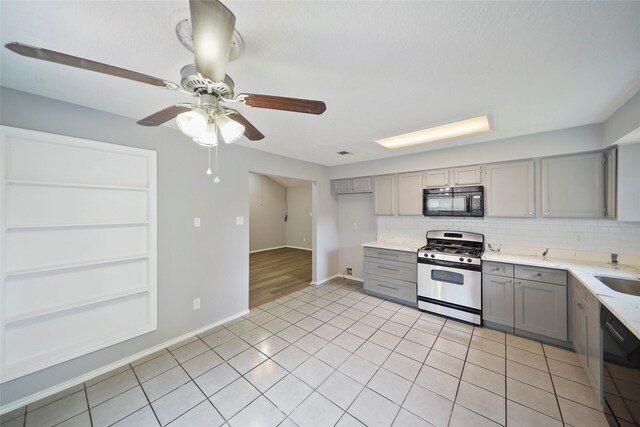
x=212 y=29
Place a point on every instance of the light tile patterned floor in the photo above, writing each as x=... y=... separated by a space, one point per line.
x=333 y=356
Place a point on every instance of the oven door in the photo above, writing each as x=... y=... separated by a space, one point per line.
x=461 y=287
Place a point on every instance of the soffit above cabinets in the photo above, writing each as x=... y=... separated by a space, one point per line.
x=383 y=68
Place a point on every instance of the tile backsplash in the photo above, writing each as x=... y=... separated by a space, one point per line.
x=589 y=235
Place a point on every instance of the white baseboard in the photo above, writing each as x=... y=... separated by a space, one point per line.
x=280 y=247
x=298 y=247
x=267 y=249
x=324 y=280
x=103 y=370
x=346 y=276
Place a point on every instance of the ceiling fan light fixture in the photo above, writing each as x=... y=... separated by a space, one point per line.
x=450 y=130
x=193 y=123
x=208 y=138
x=230 y=130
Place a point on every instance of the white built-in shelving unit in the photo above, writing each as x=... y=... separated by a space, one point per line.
x=78 y=247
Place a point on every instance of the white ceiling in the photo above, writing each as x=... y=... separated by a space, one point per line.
x=382 y=68
x=289 y=182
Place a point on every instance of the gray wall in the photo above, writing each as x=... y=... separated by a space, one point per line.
x=565 y=141
x=210 y=262
x=626 y=119
x=355 y=209
x=299 y=221
x=267 y=228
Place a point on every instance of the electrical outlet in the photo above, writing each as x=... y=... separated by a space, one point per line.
x=349 y=271
x=196 y=222
x=355 y=226
x=196 y=304
x=578 y=237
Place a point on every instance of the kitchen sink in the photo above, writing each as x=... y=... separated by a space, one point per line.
x=625 y=286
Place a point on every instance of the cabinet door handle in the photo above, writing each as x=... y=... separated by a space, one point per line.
x=388 y=287
x=385 y=254
x=387 y=268
x=518 y=282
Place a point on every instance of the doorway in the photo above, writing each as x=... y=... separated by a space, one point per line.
x=280 y=237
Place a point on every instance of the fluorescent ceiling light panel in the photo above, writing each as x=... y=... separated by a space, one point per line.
x=437 y=133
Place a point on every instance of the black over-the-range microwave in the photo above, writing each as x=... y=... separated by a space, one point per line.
x=454 y=201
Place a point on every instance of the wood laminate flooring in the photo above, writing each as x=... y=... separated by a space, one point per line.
x=277 y=272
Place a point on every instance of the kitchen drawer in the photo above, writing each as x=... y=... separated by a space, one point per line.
x=390 y=287
x=539 y=274
x=401 y=256
x=497 y=268
x=393 y=269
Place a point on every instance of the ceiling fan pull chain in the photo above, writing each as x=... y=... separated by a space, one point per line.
x=209 y=168
x=216 y=180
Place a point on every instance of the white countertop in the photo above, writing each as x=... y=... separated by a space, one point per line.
x=394 y=246
x=625 y=307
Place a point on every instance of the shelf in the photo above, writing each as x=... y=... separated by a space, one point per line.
x=64 y=226
x=61 y=267
x=73 y=185
x=34 y=314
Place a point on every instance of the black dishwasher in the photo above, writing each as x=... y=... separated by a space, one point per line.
x=621 y=349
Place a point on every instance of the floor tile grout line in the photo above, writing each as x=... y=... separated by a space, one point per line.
x=146 y=397
x=86 y=395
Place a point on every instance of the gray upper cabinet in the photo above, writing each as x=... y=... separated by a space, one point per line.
x=628 y=178
x=611 y=182
x=353 y=185
x=384 y=196
x=342 y=186
x=510 y=190
x=361 y=185
x=573 y=186
x=468 y=175
x=410 y=194
x=436 y=178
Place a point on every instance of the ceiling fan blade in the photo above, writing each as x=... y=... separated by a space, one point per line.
x=85 y=64
x=212 y=28
x=250 y=130
x=281 y=103
x=162 y=116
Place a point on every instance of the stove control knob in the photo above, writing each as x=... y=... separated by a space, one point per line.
x=469 y=260
x=433 y=256
x=461 y=259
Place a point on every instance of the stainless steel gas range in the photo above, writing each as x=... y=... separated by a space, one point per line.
x=450 y=275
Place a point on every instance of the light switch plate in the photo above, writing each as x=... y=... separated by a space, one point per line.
x=196 y=222
x=196 y=304
x=239 y=220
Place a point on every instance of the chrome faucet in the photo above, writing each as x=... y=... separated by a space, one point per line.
x=614 y=258
x=544 y=254
x=492 y=249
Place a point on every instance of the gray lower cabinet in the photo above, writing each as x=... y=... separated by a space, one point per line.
x=541 y=308
x=497 y=300
x=391 y=274
x=529 y=301
x=587 y=335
